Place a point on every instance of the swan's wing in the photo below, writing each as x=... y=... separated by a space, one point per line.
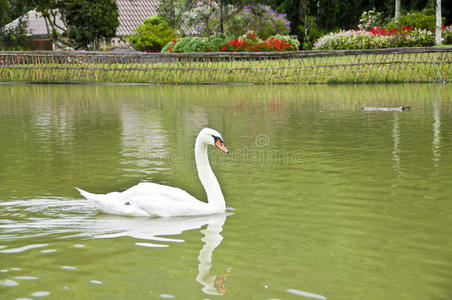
x=154 y=190
x=163 y=206
x=163 y=201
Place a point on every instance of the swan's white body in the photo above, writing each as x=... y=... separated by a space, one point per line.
x=152 y=199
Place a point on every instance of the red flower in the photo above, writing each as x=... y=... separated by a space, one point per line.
x=251 y=35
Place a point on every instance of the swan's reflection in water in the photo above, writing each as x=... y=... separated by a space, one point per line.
x=158 y=229
x=43 y=217
x=213 y=285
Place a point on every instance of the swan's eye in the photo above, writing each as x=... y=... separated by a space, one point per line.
x=217 y=138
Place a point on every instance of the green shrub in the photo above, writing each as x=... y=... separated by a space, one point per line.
x=215 y=42
x=152 y=35
x=188 y=44
x=447 y=35
x=195 y=44
x=362 y=39
x=425 y=19
x=371 y=19
x=310 y=32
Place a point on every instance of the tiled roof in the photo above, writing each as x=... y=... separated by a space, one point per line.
x=132 y=14
x=36 y=23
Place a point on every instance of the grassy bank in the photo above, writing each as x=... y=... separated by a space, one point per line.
x=317 y=67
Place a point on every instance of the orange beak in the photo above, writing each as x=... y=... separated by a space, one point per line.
x=220 y=145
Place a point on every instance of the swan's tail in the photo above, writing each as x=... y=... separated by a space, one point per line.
x=98 y=199
x=85 y=193
x=113 y=203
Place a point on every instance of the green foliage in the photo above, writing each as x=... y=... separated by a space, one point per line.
x=425 y=19
x=293 y=44
x=152 y=35
x=4 y=8
x=172 y=12
x=186 y=44
x=215 y=42
x=89 y=21
x=167 y=10
x=447 y=35
x=195 y=44
x=371 y=18
x=15 y=38
x=13 y=9
x=239 y=18
x=332 y=15
x=310 y=32
x=204 y=18
x=309 y=19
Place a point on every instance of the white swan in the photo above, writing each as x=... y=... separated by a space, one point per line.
x=152 y=199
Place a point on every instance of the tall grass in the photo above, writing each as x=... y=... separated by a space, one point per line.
x=355 y=67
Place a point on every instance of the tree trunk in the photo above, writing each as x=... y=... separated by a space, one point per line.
x=438 y=23
x=303 y=17
x=302 y=10
x=397 y=9
x=221 y=17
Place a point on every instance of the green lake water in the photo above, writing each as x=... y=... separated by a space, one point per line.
x=326 y=201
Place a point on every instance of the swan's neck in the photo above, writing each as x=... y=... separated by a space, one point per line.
x=209 y=181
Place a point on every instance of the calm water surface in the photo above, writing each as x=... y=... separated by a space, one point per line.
x=326 y=201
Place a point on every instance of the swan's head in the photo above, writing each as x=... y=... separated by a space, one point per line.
x=212 y=137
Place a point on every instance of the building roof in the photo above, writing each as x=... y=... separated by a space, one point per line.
x=36 y=23
x=132 y=14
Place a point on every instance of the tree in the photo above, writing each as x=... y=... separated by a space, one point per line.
x=15 y=38
x=4 y=8
x=172 y=10
x=186 y=15
x=86 y=22
x=13 y=9
x=89 y=22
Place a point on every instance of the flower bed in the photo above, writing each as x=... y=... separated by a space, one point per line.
x=376 y=38
x=221 y=43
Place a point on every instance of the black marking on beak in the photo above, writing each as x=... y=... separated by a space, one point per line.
x=217 y=138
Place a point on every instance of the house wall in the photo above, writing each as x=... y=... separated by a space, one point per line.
x=41 y=44
x=118 y=42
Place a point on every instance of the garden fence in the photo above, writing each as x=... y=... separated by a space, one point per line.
x=355 y=66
